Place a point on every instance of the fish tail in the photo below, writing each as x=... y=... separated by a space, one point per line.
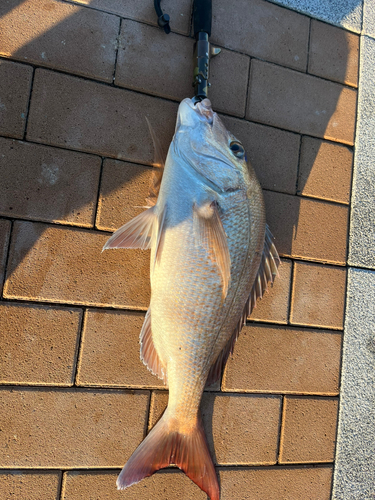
x=166 y=445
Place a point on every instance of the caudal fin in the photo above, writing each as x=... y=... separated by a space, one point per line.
x=162 y=447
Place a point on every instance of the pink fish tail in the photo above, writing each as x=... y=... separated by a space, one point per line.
x=162 y=447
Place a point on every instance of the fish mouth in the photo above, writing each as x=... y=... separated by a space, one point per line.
x=190 y=112
x=203 y=109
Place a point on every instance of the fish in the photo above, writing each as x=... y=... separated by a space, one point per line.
x=212 y=257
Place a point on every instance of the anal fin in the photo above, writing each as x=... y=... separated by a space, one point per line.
x=148 y=353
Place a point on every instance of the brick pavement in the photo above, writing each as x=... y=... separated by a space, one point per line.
x=77 y=80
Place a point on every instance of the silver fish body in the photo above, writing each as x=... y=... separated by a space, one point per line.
x=209 y=263
x=190 y=321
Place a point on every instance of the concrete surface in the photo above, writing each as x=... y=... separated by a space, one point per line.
x=362 y=220
x=355 y=460
x=345 y=13
x=369 y=18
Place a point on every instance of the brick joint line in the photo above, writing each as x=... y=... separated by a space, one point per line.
x=6 y=260
x=117 y=51
x=298 y=165
x=29 y=103
x=77 y=354
x=308 y=47
x=95 y=218
x=278 y=448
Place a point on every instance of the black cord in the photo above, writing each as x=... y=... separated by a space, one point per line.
x=163 y=19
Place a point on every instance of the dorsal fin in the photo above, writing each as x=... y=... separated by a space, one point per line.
x=148 y=353
x=266 y=273
x=158 y=164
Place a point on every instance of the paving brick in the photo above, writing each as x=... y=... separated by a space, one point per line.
x=229 y=74
x=308 y=431
x=325 y=170
x=142 y=10
x=308 y=229
x=273 y=153
x=243 y=429
x=15 y=84
x=334 y=53
x=123 y=189
x=171 y=485
x=301 y=103
x=58 y=35
x=158 y=403
x=240 y=429
x=48 y=184
x=54 y=264
x=110 y=351
x=279 y=483
x=262 y=30
x=4 y=242
x=163 y=67
x=284 y=360
x=38 y=344
x=70 y=428
x=318 y=295
x=274 y=306
x=79 y=114
x=17 y=485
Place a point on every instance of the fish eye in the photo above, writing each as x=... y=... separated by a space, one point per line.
x=237 y=149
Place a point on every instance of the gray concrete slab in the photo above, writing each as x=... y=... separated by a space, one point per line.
x=369 y=18
x=362 y=221
x=354 y=477
x=345 y=13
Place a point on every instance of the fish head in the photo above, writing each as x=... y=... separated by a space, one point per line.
x=204 y=143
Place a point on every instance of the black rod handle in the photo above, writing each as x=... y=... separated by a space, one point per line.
x=202 y=16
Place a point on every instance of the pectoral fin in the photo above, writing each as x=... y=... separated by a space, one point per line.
x=209 y=232
x=136 y=233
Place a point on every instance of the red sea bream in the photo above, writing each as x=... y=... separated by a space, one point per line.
x=211 y=258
